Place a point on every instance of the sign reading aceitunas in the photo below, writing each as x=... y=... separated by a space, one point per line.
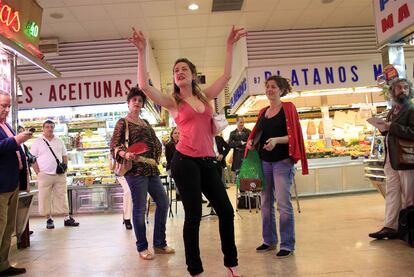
x=78 y=91
x=20 y=22
x=394 y=19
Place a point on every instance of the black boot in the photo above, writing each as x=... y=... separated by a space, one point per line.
x=128 y=224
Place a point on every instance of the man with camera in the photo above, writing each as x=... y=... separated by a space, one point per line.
x=13 y=177
x=50 y=168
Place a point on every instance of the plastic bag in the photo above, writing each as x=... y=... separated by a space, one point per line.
x=251 y=168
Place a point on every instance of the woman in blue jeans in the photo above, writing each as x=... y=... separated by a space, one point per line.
x=143 y=177
x=278 y=137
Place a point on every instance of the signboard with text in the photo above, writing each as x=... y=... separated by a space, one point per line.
x=79 y=91
x=394 y=19
x=322 y=76
x=20 y=22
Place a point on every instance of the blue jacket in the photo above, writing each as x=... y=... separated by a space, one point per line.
x=10 y=175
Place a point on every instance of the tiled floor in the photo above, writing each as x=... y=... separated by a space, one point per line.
x=331 y=234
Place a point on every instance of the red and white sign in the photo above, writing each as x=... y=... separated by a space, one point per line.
x=394 y=19
x=79 y=91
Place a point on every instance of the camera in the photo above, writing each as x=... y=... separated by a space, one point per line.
x=30 y=158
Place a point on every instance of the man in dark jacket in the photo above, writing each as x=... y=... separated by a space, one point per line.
x=13 y=176
x=222 y=150
x=400 y=179
x=237 y=141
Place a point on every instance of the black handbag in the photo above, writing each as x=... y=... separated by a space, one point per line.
x=406 y=225
x=61 y=167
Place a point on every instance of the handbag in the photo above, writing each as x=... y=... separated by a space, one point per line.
x=218 y=123
x=61 y=166
x=404 y=153
x=406 y=225
x=120 y=168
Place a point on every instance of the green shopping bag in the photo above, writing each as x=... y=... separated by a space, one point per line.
x=251 y=169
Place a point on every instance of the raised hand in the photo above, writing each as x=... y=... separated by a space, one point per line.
x=235 y=35
x=138 y=39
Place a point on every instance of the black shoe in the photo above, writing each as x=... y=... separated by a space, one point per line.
x=265 y=247
x=284 y=253
x=30 y=233
x=50 y=224
x=128 y=224
x=385 y=232
x=12 y=271
x=71 y=222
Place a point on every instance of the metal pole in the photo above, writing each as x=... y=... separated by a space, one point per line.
x=13 y=89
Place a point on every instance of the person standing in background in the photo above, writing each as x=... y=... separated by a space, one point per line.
x=52 y=195
x=399 y=184
x=126 y=202
x=170 y=148
x=237 y=141
x=13 y=177
x=221 y=148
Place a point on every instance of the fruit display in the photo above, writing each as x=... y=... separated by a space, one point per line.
x=354 y=149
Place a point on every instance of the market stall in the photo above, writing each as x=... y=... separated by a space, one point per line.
x=85 y=105
x=334 y=94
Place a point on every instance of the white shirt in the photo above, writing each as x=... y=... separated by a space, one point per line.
x=45 y=159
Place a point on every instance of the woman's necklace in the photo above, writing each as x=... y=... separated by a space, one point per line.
x=137 y=121
x=273 y=111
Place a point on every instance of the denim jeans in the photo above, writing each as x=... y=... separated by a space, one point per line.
x=140 y=186
x=194 y=176
x=279 y=179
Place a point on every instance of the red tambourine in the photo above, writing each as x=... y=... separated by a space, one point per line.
x=138 y=148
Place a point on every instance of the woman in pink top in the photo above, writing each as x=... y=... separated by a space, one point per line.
x=193 y=165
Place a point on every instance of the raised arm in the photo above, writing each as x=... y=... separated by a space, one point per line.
x=140 y=42
x=212 y=91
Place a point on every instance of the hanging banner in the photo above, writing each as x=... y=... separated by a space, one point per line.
x=318 y=76
x=79 y=91
x=394 y=20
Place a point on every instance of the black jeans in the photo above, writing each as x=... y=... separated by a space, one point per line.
x=194 y=176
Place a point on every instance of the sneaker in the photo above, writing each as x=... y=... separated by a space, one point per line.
x=71 y=222
x=164 y=250
x=265 y=247
x=50 y=224
x=284 y=253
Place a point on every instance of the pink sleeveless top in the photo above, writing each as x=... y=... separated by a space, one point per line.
x=196 y=134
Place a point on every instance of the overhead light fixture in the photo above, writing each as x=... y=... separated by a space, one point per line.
x=56 y=15
x=193 y=7
x=23 y=53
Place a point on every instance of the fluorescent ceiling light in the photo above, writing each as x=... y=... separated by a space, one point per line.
x=193 y=7
x=23 y=53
